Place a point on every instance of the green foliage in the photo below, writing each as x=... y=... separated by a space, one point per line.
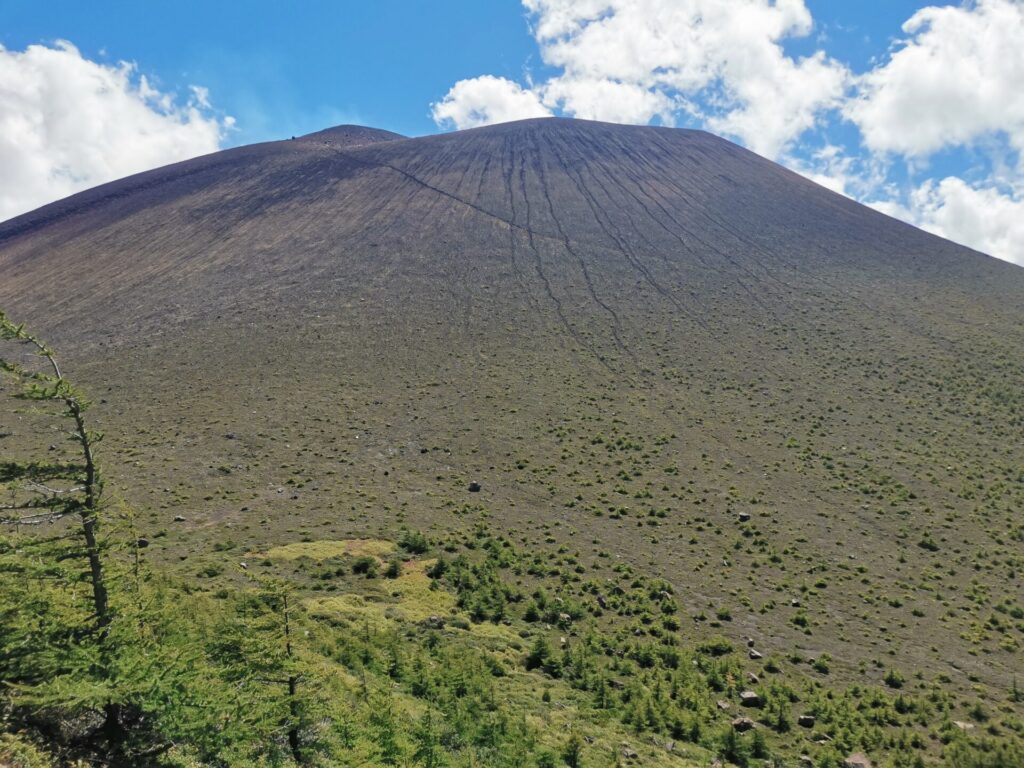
x=17 y=752
x=247 y=670
x=414 y=542
x=572 y=752
x=985 y=753
x=894 y=679
x=366 y=565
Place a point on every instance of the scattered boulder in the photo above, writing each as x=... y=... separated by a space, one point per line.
x=963 y=726
x=742 y=724
x=806 y=761
x=752 y=678
x=629 y=753
x=180 y=518
x=474 y=487
x=806 y=721
x=755 y=655
x=744 y=517
x=751 y=699
x=722 y=704
x=602 y=601
x=857 y=760
x=433 y=622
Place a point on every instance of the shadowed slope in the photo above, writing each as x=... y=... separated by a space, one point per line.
x=629 y=335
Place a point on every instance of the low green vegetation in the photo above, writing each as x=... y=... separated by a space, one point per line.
x=416 y=648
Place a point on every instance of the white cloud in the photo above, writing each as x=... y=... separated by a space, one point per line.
x=781 y=101
x=485 y=100
x=957 y=78
x=608 y=100
x=829 y=167
x=988 y=216
x=632 y=61
x=983 y=218
x=68 y=123
x=729 y=51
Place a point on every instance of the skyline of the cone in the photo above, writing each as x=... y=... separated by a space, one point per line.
x=879 y=101
x=351 y=135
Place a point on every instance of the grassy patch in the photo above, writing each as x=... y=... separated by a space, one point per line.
x=324 y=550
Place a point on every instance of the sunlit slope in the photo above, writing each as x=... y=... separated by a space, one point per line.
x=628 y=336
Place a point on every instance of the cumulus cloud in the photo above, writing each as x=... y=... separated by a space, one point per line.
x=609 y=100
x=957 y=78
x=953 y=81
x=634 y=61
x=984 y=218
x=726 y=52
x=68 y=123
x=485 y=100
x=830 y=167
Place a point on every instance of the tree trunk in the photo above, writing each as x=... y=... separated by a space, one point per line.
x=293 y=731
x=89 y=521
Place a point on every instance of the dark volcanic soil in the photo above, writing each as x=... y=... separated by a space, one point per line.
x=627 y=335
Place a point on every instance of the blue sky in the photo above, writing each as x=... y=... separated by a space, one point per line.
x=843 y=92
x=377 y=63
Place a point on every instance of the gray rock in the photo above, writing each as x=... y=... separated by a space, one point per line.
x=742 y=724
x=751 y=699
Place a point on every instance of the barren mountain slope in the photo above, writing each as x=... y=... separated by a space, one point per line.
x=629 y=336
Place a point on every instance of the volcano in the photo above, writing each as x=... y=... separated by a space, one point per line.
x=646 y=345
